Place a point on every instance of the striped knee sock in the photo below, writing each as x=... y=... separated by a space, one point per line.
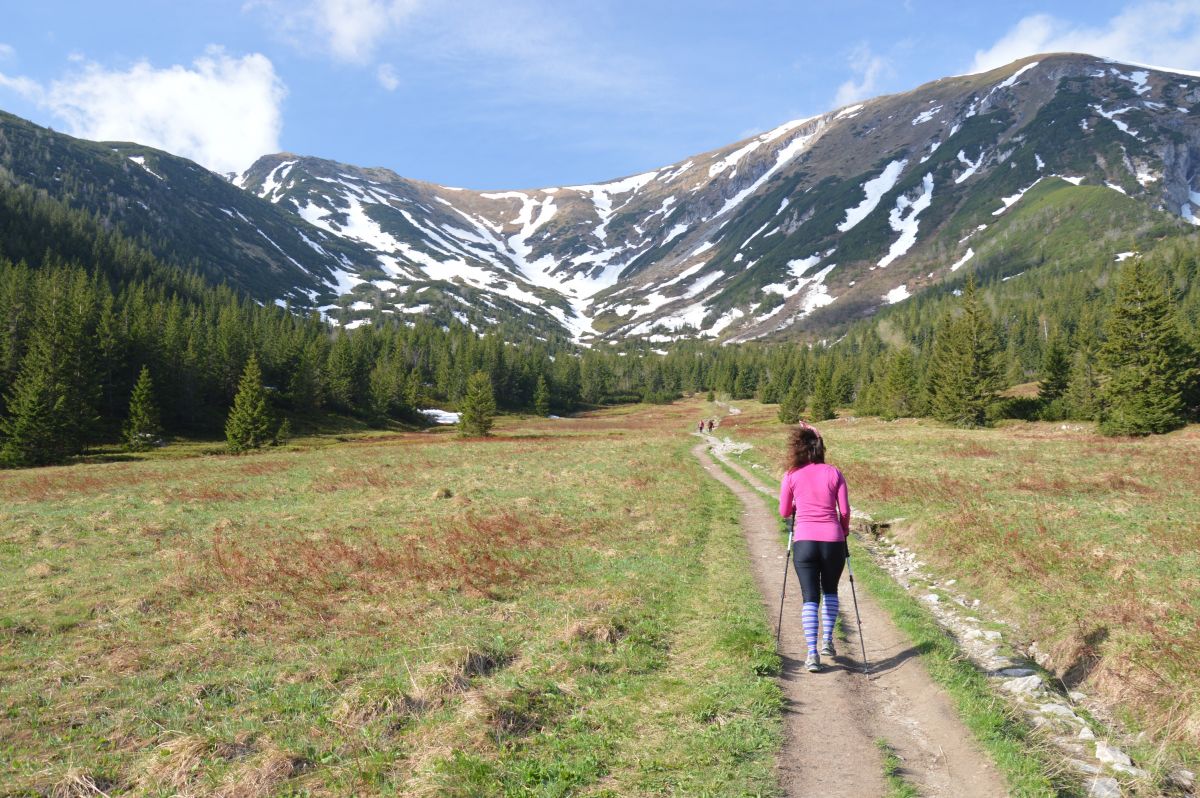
x=829 y=615
x=808 y=617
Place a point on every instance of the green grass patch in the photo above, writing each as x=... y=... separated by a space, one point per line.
x=893 y=773
x=537 y=614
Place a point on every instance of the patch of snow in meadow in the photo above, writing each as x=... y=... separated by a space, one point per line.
x=1039 y=162
x=357 y=323
x=1115 y=187
x=385 y=285
x=1075 y=181
x=874 y=189
x=705 y=247
x=1123 y=255
x=782 y=205
x=897 y=294
x=360 y=305
x=903 y=219
x=849 y=112
x=932 y=149
x=959 y=263
x=440 y=416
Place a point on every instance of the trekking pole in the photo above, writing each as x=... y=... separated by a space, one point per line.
x=787 y=561
x=857 y=617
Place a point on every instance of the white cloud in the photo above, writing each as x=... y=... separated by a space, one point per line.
x=1165 y=34
x=222 y=112
x=533 y=49
x=870 y=69
x=349 y=30
x=7 y=51
x=388 y=77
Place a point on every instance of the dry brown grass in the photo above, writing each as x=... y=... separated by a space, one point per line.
x=475 y=553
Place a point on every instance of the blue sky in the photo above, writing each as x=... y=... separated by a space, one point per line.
x=517 y=93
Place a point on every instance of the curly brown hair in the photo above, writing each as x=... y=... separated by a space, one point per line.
x=805 y=446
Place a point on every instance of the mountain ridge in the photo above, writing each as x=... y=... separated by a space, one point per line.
x=795 y=231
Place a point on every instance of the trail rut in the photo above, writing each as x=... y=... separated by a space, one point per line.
x=833 y=718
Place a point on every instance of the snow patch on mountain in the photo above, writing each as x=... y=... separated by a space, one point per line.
x=140 y=160
x=958 y=264
x=903 y=219
x=972 y=166
x=874 y=189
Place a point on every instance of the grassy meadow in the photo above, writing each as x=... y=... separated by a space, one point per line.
x=562 y=609
x=1089 y=545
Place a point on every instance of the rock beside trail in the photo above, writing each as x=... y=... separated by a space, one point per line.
x=1025 y=684
x=1104 y=788
x=1112 y=755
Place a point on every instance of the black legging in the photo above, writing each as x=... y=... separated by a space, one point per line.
x=819 y=565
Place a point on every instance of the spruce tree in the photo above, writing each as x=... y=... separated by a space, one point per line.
x=791 y=409
x=899 y=387
x=541 y=397
x=142 y=429
x=478 y=409
x=248 y=425
x=1055 y=371
x=823 y=397
x=1144 y=363
x=34 y=432
x=968 y=378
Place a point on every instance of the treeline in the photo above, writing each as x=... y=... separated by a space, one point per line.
x=1114 y=344
x=95 y=333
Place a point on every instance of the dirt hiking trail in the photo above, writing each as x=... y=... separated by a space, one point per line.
x=832 y=719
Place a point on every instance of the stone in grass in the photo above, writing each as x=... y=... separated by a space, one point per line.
x=932 y=598
x=1086 y=734
x=1084 y=767
x=1129 y=770
x=1184 y=778
x=1015 y=673
x=1104 y=788
x=1111 y=754
x=1060 y=711
x=443 y=493
x=1026 y=684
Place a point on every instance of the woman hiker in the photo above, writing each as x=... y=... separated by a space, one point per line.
x=816 y=493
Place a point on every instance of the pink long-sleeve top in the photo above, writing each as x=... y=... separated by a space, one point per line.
x=817 y=494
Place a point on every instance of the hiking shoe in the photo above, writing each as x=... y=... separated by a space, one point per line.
x=827 y=649
x=813 y=663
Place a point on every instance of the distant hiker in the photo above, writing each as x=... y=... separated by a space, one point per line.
x=710 y=425
x=816 y=493
x=700 y=426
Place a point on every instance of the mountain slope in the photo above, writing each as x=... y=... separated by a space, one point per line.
x=182 y=212
x=796 y=231
x=813 y=223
